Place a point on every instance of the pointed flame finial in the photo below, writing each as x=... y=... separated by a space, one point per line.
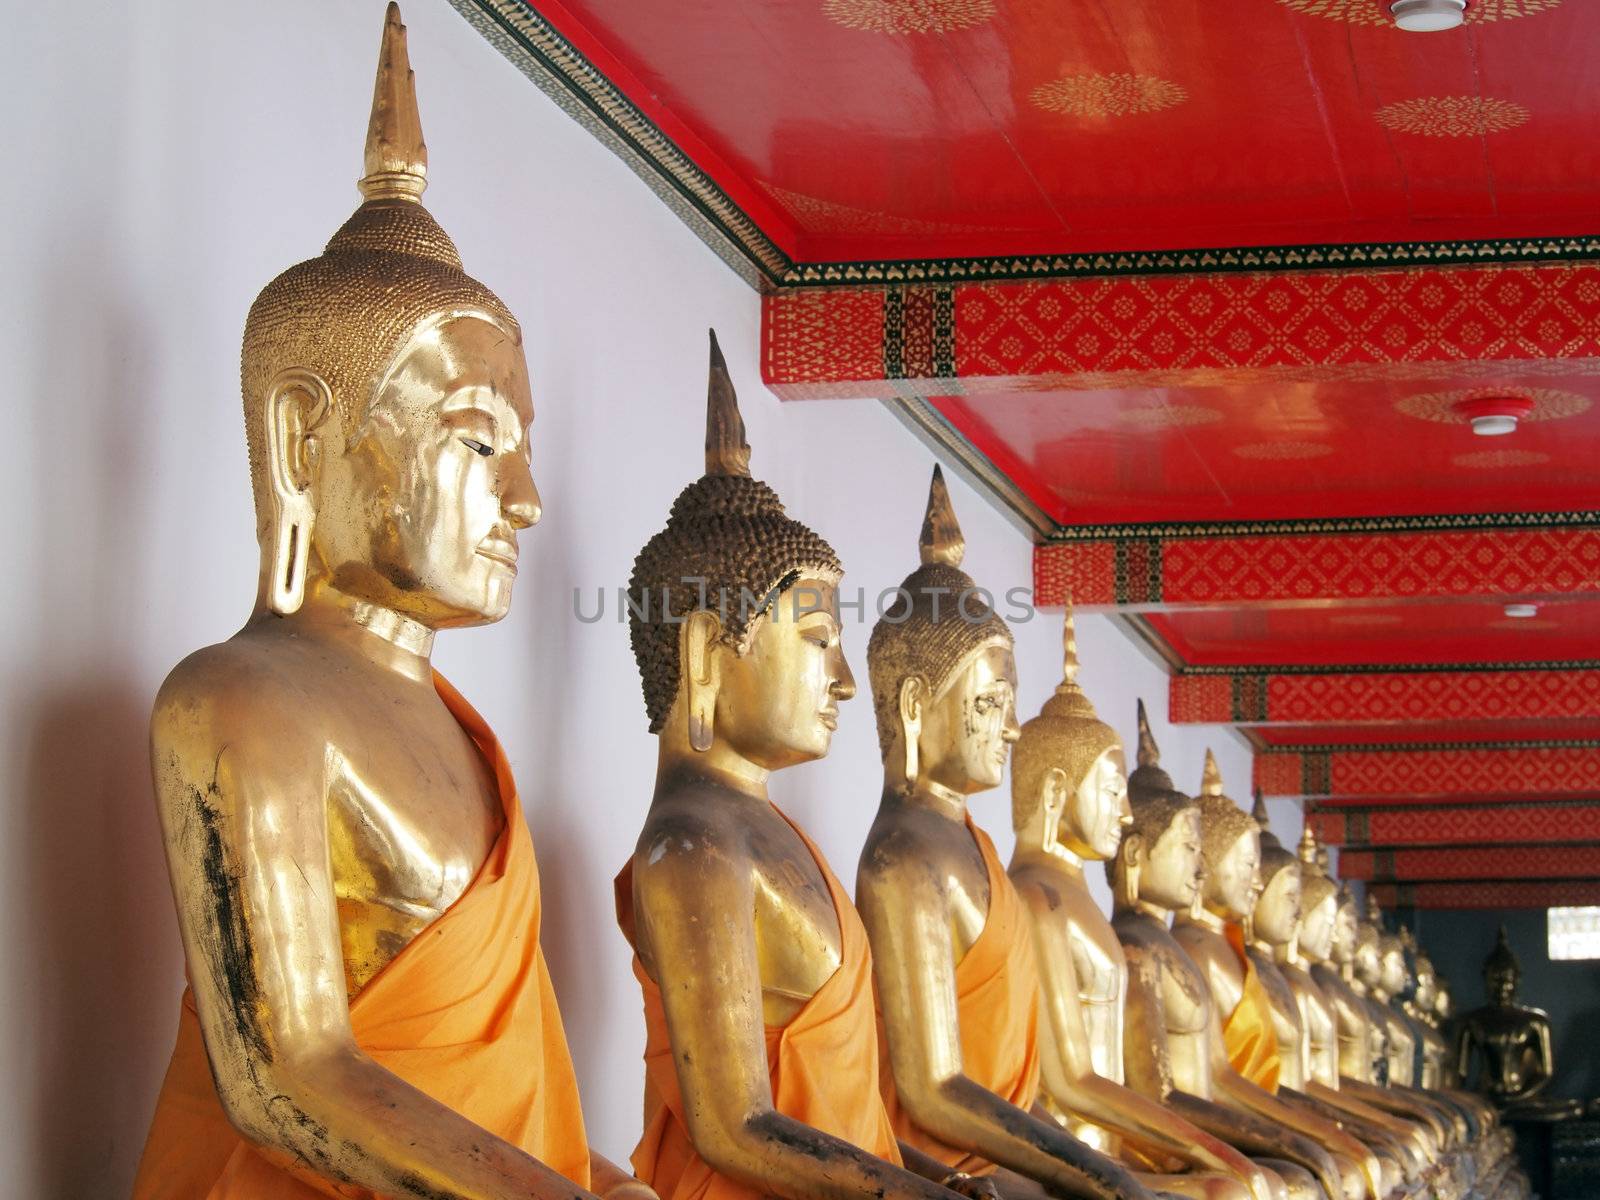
x=396 y=158
x=1149 y=752
x=1259 y=811
x=941 y=540
x=1308 y=847
x=1069 y=651
x=727 y=452
x=1211 y=777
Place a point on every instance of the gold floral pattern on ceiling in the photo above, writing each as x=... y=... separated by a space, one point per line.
x=1282 y=451
x=1367 y=619
x=1116 y=94
x=1452 y=116
x=1549 y=404
x=1168 y=416
x=908 y=16
x=1376 y=12
x=1499 y=460
x=816 y=215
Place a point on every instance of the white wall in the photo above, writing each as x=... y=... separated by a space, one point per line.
x=168 y=159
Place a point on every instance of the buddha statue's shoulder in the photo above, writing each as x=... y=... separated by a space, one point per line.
x=235 y=693
x=911 y=844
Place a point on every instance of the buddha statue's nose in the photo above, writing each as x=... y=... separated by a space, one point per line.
x=520 y=501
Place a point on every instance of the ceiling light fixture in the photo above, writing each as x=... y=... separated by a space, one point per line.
x=1522 y=611
x=1494 y=416
x=1428 y=16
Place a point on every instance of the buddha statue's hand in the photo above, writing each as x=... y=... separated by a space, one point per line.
x=611 y=1182
x=973 y=1187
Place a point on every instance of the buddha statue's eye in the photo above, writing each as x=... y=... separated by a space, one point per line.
x=477 y=447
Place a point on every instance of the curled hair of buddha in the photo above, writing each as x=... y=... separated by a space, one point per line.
x=728 y=548
x=1067 y=735
x=388 y=272
x=1316 y=887
x=1274 y=857
x=1222 y=822
x=938 y=618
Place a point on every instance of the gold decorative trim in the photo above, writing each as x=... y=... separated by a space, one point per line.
x=1375 y=12
x=1168 y=416
x=908 y=16
x=1499 y=460
x=1099 y=96
x=817 y=215
x=1452 y=116
x=1549 y=404
x=1419 y=523
x=1282 y=451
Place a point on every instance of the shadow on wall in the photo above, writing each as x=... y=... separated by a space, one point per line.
x=95 y=919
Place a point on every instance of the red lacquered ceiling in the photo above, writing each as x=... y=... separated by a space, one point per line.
x=855 y=129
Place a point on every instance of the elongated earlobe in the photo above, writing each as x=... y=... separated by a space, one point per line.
x=700 y=634
x=910 y=727
x=1128 y=877
x=295 y=408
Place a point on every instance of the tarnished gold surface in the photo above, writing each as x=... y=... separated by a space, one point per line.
x=1070 y=805
x=733 y=919
x=1174 y=1047
x=944 y=686
x=320 y=806
x=1503 y=1049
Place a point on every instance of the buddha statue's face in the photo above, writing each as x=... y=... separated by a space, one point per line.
x=777 y=704
x=967 y=729
x=1277 y=915
x=1279 y=909
x=1368 y=962
x=1500 y=984
x=1442 y=1004
x=1317 y=929
x=419 y=513
x=1097 y=812
x=1393 y=975
x=1233 y=880
x=1345 y=932
x=1427 y=985
x=1169 y=876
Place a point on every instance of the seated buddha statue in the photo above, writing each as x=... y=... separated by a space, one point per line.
x=761 y=1055
x=326 y=799
x=1173 y=1045
x=1503 y=1049
x=1262 y=1039
x=1069 y=805
x=953 y=955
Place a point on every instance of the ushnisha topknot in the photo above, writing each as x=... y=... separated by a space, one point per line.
x=1067 y=734
x=1316 y=887
x=728 y=547
x=1148 y=774
x=1274 y=857
x=1153 y=798
x=939 y=617
x=1222 y=822
x=389 y=271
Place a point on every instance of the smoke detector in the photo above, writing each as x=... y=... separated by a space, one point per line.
x=1494 y=416
x=1428 y=16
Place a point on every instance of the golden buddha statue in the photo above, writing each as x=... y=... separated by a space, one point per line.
x=761 y=1057
x=1503 y=1049
x=325 y=797
x=1070 y=805
x=1261 y=1034
x=1173 y=1045
x=953 y=955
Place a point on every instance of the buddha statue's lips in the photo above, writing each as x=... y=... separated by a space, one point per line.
x=499 y=550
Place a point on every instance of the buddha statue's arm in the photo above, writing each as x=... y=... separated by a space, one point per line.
x=695 y=918
x=1068 y=1064
x=904 y=909
x=240 y=786
x=1547 y=1062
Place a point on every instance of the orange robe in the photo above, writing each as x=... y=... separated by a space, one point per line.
x=465 y=1013
x=1248 y=1032
x=997 y=999
x=822 y=1063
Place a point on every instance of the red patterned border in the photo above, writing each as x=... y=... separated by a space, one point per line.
x=1486 y=824
x=1537 y=770
x=1470 y=862
x=1522 y=894
x=1361 y=697
x=1204 y=329
x=1277 y=568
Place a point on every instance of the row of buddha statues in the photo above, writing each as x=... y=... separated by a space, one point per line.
x=369 y=1011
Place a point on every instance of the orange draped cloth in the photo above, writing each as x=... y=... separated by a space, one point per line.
x=821 y=1063
x=997 y=999
x=465 y=1013
x=1247 y=1032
